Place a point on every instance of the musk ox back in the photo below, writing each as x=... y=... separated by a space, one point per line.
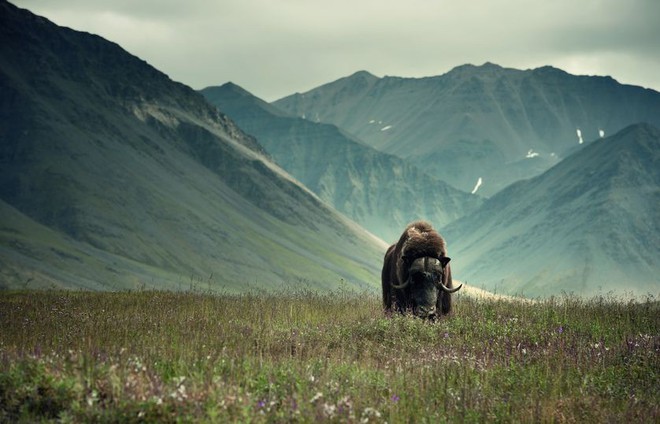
x=416 y=273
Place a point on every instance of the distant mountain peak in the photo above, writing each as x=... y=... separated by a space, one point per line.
x=363 y=74
x=238 y=95
x=468 y=67
x=233 y=88
x=548 y=70
x=359 y=80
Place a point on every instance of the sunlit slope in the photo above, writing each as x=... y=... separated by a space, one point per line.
x=382 y=192
x=114 y=176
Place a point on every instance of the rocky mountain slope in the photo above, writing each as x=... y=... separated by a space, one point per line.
x=478 y=122
x=589 y=225
x=381 y=192
x=114 y=176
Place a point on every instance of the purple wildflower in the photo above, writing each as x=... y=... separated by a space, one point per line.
x=395 y=398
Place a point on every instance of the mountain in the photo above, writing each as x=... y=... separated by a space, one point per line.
x=381 y=192
x=487 y=122
x=114 y=177
x=589 y=225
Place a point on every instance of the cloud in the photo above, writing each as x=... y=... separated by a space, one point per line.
x=276 y=48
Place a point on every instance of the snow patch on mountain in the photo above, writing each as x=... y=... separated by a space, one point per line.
x=476 y=187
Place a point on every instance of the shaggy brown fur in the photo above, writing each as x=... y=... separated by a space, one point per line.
x=418 y=240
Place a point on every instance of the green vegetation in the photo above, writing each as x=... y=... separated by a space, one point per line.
x=306 y=357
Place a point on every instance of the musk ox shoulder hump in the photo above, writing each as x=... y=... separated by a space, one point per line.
x=423 y=240
x=420 y=226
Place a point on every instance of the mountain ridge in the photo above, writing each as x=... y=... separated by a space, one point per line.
x=476 y=121
x=116 y=177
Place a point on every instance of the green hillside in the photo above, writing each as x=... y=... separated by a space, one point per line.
x=115 y=177
x=589 y=225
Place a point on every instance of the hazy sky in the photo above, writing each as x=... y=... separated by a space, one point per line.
x=273 y=48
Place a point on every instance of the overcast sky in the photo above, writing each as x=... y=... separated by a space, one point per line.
x=274 y=48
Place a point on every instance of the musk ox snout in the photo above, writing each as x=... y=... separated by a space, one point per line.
x=427 y=312
x=424 y=294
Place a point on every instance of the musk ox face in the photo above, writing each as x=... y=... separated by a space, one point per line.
x=423 y=284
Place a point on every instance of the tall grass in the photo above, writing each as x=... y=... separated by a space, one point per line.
x=305 y=357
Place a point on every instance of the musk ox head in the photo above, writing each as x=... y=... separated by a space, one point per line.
x=424 y=284
x=416 y=273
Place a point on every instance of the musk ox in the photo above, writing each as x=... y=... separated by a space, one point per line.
x=416 y=274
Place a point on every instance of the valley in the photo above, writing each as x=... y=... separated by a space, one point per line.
x=115 y=177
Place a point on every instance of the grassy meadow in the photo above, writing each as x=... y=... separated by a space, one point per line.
x=153 y=356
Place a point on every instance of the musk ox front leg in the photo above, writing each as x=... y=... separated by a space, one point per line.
x=386 y=279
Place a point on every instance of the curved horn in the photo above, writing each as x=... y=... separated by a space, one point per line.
x=401 y=286
x=448 y=290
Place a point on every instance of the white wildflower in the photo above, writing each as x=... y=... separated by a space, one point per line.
x=369 y=413
x=329 y=410
x=316 y=397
